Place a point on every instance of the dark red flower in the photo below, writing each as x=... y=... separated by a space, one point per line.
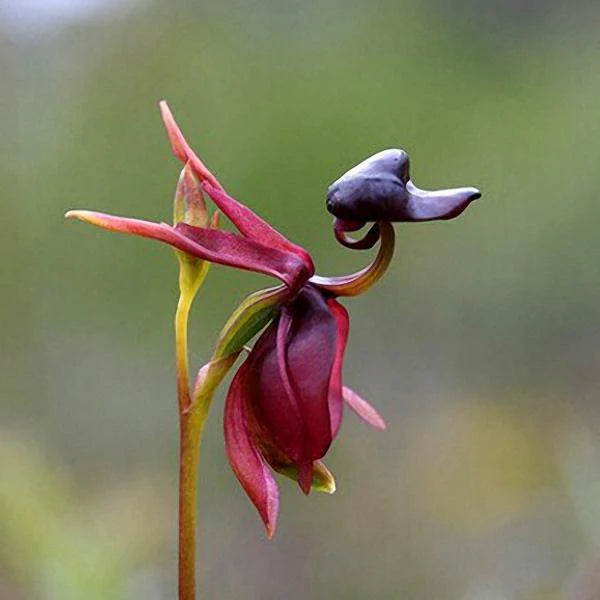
x=284 y=406
x=285 y=403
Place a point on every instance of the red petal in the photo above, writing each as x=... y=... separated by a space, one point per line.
x=291 y=394
x=234 y=250
x=246 y=461
x=310 y=357
x=336 y=403
x=303 y=462
x=247 y=222
x=363 y=409
x=305 y=475
x=252 y=226
x=276 y=412
x=213 y=245
x=181 y=148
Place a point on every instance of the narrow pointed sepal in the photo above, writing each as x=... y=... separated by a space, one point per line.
x=247 y=222
x=244 y=456
x=244 y=253
x=252 y=226
x=181 y=148
x=213 y=245
x=363 y=409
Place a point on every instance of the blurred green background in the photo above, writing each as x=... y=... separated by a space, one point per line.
x=481 y=346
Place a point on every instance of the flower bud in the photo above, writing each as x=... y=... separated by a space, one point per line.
x=188 y=205
x=189 y=208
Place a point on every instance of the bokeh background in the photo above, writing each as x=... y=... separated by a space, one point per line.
x=481 y=346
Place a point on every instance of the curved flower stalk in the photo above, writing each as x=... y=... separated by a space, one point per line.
x=285 y=403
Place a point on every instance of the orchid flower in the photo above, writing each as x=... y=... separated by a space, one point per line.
x=285 y=403
x=301 y=384
x=284 y=406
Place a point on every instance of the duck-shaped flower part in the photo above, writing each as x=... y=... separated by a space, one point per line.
x=380 y=189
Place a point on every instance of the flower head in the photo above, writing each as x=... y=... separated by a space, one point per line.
x=285 y=404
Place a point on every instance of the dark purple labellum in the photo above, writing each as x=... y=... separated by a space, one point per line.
x=380 y=189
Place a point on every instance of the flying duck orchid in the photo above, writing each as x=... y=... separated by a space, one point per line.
x=285 y=403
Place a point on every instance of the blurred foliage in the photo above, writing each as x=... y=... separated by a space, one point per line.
x=68 y=545
x=481 y=346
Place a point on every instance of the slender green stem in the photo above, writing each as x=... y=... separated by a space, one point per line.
x=190 y=438
x=190 y=433
x=181 y=351
x=188 y=461
x=253 y=314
